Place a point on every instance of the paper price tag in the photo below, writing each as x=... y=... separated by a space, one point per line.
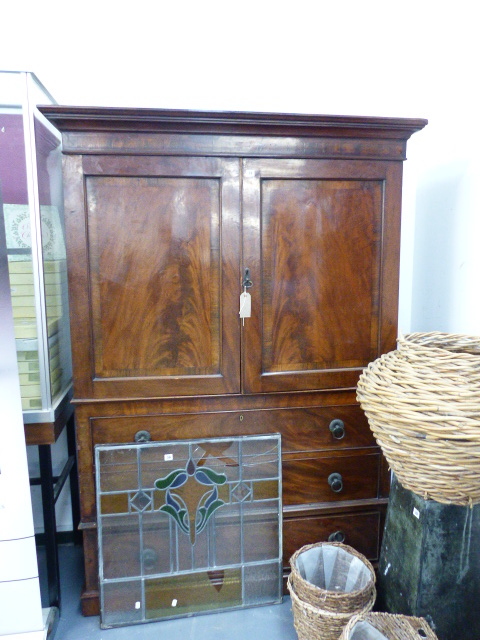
x=245 y=305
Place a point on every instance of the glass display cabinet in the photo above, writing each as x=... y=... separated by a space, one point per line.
x=31 y=180
x=31 y=185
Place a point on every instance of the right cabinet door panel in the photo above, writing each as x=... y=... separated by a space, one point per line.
x=314 y=241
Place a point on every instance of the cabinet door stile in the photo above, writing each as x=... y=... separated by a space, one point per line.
x=390 y=259
x=251 y=221
x=78 y=276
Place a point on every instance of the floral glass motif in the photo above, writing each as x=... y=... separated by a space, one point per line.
x=187 y=500
x=188 y=527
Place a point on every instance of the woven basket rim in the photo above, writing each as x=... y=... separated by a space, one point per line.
x=381 y=616
x=325 y=592
x=325 y=612
x=441 y=342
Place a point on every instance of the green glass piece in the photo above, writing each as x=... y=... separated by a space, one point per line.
x=200 y=505
x=178 y=516
x=168 y=481
x=211 y=476
x=206 y=513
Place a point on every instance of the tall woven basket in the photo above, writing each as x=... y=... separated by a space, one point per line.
x=329 y=583
x=387 y=626
x=422 y=402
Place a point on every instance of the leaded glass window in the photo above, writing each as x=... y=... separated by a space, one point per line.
x=187 y=527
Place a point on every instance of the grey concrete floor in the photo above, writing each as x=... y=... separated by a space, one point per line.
x=273 y=622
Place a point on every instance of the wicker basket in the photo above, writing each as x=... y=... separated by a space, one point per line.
x=422 y=402
x=386 y=626
x=314 y=623
x=328 y=584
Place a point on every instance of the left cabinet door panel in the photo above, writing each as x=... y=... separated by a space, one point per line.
x=154 y=275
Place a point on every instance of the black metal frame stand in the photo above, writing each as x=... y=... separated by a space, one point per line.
x=51 y=488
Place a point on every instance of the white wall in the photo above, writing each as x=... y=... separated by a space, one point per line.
x=411 y=58
x=446 y=257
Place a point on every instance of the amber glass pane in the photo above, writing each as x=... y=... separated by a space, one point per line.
x=155 y=281
x=181 y=595
x=320 y=244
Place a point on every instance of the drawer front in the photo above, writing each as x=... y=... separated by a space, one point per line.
x=302 y=429
x=318 y=480
x=330 y=478
x=121 y=556
x=359 y=530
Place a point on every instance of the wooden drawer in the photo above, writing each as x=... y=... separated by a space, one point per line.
x=312 y=479
x=361 y=531
x=302 y=429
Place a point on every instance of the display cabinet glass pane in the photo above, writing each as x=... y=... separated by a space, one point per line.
x=31 y=182
x=187 y=527
x=55 y=285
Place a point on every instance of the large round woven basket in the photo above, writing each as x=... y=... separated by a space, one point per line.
x=329 y=583
x=386 y=626
x=422 y=402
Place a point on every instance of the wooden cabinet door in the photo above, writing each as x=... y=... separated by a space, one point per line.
x=321 y=240
x=154 y=248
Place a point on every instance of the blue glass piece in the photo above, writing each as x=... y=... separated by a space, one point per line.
x=179 y=480
x=208 y=476
x=163 y=483
x=202 y=477
x=170 y=500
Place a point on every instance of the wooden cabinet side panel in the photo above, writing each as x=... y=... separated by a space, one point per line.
x=78 y=276
x=389 y=273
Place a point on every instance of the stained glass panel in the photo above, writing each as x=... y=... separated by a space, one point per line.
x=188 y=527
